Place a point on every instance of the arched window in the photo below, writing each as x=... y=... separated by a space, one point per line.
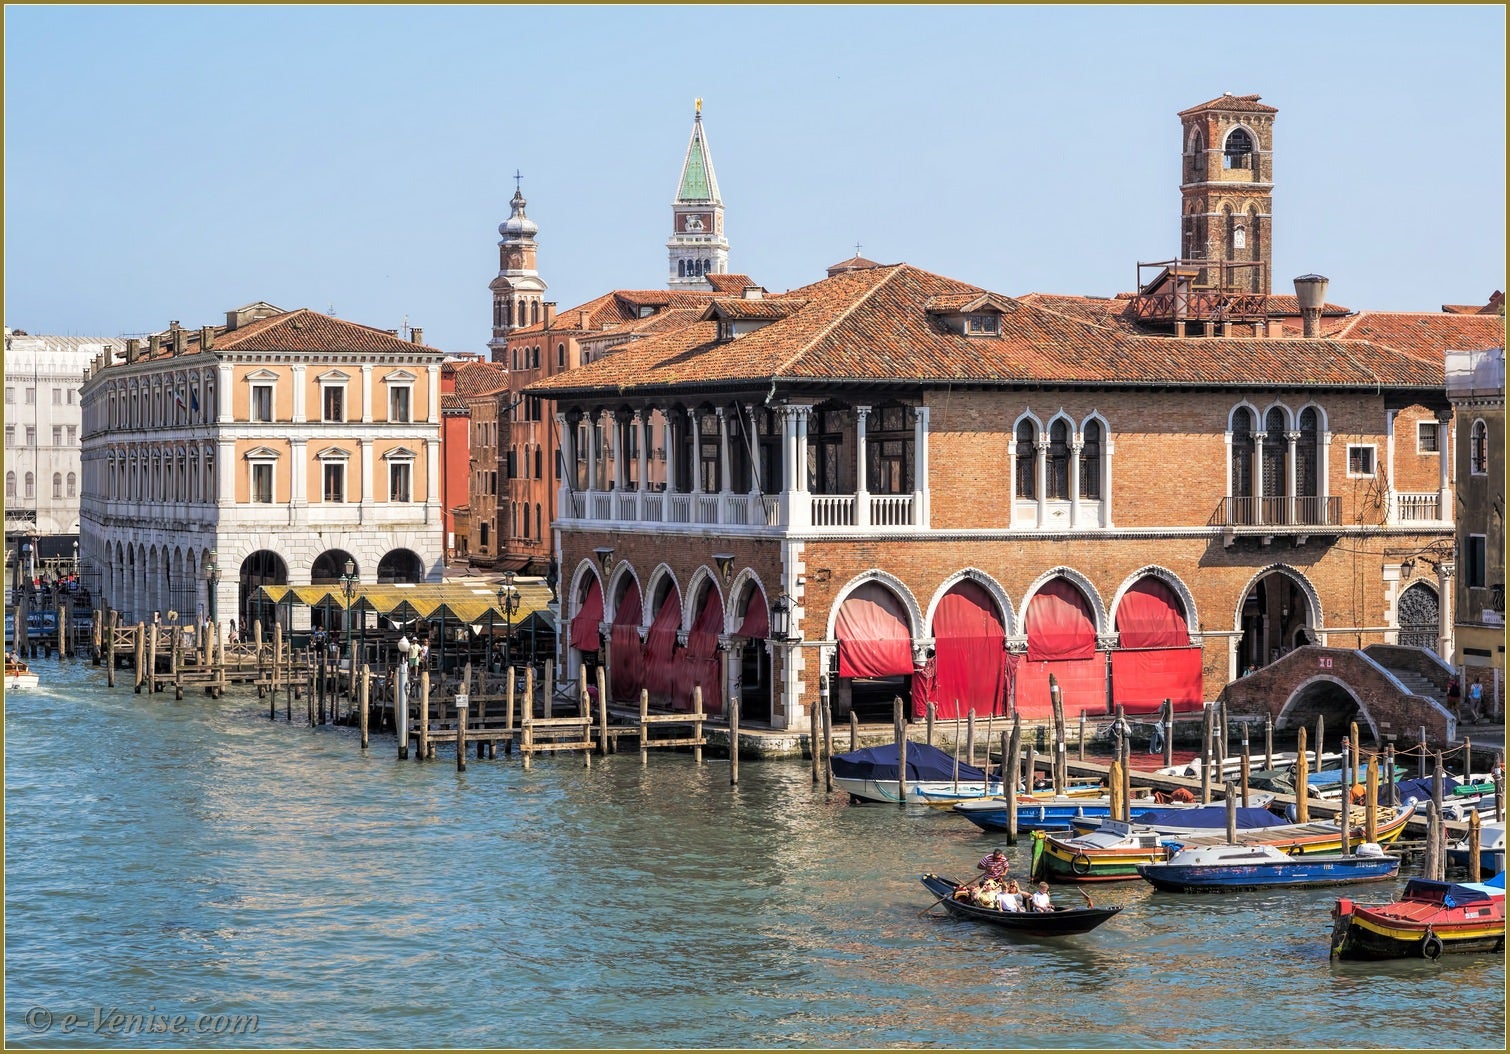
x=560 y=354
x=10 y=484
x=1478 y=449
x=31 y=485
x=57 y=484
x=1027 y=460
x=1276 y=455
x=1090 y=461
x=537 y=461
x=1238 y=153
x=1058 y=480
x=1307 y=455
x=534 y=312
x=538 y=532
x=519 y=313
x=73 y=485
x=1242 y=459
x=681 y=268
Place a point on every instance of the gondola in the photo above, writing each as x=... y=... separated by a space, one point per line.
x=1060 y=922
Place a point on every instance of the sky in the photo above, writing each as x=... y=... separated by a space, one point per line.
x=171 y=163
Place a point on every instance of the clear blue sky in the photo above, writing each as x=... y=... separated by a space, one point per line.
x=172 y=162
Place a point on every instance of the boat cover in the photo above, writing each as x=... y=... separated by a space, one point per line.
x=1452 y=894
x=1214 y=816
x=1419 y=788
x=924 y=763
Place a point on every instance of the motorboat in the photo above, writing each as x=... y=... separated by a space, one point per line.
x=873 y=774
x=1491 y=849
x=1235 y=868
x=19 y=675
x=1431 y=919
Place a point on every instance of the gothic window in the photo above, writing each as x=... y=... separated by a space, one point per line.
x=825 y=441
x=560 y=355
x=1090 y=462
x=73 y=485
x=1238 y=153
x=1478 y=449
x=534 y=313
x=1276 y=453
x=1242 y=458
x=1027 y=460
x=537 y=461
x=1418 y=615
x=707 y=267
x=57 y=484
x=538 y=533
x=681 y=268
x=1057 y=485
x=889 y=451
x=1307 y=455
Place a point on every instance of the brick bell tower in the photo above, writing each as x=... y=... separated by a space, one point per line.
x=518 y=292
x=1227 y=192
x=697 y=246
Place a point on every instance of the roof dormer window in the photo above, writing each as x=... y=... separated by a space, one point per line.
x=982 y=324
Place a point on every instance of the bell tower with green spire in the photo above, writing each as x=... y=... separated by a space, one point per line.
x=697 y=246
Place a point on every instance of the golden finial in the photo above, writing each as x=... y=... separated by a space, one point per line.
x=699 y=107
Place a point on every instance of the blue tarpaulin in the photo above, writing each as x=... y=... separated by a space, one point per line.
x=924 y=763
x=1214 y=816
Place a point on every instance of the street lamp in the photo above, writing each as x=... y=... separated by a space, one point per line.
x=212 y=584
x=508 y=603
x=781 y=618
x=348 y=588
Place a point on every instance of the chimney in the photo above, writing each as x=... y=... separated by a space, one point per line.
x=206 y=338
x=176 y=335
x=1310 y=292
x=1259 y=329
x=1179 y=328
x=582 y=319
x=154 y=344
x=1276 y=328
x=133 y=349
x=416 y=335
x=1226 y=329
x=1208 y=329
x=753 y=292
x=550 y=312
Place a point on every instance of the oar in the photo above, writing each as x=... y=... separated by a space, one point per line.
x=944 y=896
x=1088 y=901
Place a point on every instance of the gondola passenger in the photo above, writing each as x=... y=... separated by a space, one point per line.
x=1041 y=901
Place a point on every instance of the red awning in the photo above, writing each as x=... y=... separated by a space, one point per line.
x=757 y=621
x=626 y=655
x=1059 y=623
x=1082 y=686
x=660 y=651
x=969 y=658
x=1155 y=661
x=700 y=665
x=1150 y=615
x=584 y=627
x=872 y=634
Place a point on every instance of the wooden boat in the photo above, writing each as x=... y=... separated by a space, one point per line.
x=1491 y=848
x=1236 y=868
x=1061 y=922
x=1114 y=851
x=871 y=774
x=1429 y=920
x=1231 y=768
x=1177 y=820
x=947 y=799
x=1046 y=814
x=19 y=675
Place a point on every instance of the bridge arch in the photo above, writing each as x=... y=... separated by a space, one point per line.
x=1330 y=698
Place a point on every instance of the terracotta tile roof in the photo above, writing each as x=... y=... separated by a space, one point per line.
x=1495 y=306
x=1244 y=103
x=621 y=306
x=476 y=378
x=306 y=330
x=854 y=263
x=1289 y=304
x=1425 y=335
x=871 y=326
x=728 y=283
x=738 y=308
x=1115 y=313
x=450 y=402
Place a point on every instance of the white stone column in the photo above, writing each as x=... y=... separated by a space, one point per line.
x=862 y=485
x=225 y=472
x=591 y=421
x=432 y=480
x=223 y=400
x=803 y=415
x=1324 y=483
x=1077 y=444
x=695 y=461
x=366 y=393
x=1445 y=605
x=723 y=451
x=1391 y=503
x=434 y=401
x=1041 y=472
x=1293 y=439
x=364 y=463
x=298 y=371
x=1258 y=477
x=670 y=433
x=922 y=501
x=620 y=452
x=754 y=444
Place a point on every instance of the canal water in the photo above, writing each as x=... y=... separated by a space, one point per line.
x=195 y=865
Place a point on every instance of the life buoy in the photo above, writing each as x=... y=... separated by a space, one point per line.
x=1080 y=864
x=1431 y=947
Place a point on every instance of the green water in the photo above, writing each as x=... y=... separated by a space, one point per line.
x=192 y=860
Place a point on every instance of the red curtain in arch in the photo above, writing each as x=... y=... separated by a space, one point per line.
x=757 y=620
x=1061 y=641
x=872 y=634
x=969 y=662
x=584 y=627
x=660 y=651
x=699 y=663
x=626 y=655
x=1155 y=660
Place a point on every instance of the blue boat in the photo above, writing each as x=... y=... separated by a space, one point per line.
x=1199 y=819
x=872 y=774
x=1237 y=868
x=1050 y=814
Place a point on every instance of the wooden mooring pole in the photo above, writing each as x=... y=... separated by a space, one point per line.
x=901 y=727
x=363 y=714
x=733 y=741
x=1302 y=778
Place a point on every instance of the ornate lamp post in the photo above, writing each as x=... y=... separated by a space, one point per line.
x=212 y=586
x=348 y=589
x=508 y=602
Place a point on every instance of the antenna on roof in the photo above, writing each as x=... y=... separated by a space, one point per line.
x=331 y=310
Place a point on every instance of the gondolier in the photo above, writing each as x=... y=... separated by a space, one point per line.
x=995 y=865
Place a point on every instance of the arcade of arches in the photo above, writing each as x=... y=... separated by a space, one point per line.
x=968 y=648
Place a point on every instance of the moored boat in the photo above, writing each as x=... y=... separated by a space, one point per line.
x=1199 y=819
x=1046 y=814
x=946 y=797
x=1430 y=919
x=1491 y=849
x=1061 y=922
x=1237 y=868
x=872 y=774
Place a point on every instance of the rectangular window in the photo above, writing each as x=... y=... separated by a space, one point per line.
x=398 y=481
x=10 y=435
x=73 y=434
x=57 y=396
x=57 y=435
x=1360 y=461
x=262 y=484
x=983 y=323
x=1427 y=437
x=31 y=435
x=398 y=404
x=70 y=397
x=335 y=480
x=31 y=397
x=332 y=403
x=1473 y=561
x=10 y=394
x=262 y=402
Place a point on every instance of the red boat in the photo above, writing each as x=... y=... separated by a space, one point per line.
x=1429 y=920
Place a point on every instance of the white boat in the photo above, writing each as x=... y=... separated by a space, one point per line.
x=1232 y=768
x=19 y=675
x=1491 y=849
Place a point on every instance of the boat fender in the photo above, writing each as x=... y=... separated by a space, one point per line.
x=1081 y=864
x=1431 y=947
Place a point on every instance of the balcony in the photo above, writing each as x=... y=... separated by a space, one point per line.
x=754 y=512
x=1297 y=517
x=1421 y=507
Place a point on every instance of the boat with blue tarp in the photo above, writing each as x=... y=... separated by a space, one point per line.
x=872 y=774
x=1431 y=919
x=1239 y=868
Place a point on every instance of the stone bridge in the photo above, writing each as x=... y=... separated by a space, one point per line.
x=1392 y=690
